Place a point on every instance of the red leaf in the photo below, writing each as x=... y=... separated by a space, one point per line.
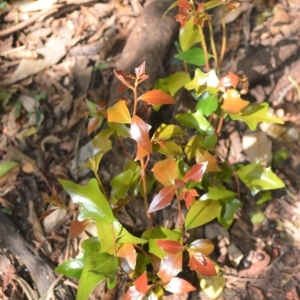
x=128 y=253
x=140 y=153
x=156 y=97
x=140 y=71
x=92 y=125
x=141 y=284
x=201 y=264
x=178 y=286
x=196 y=172
x=170 y=266
x=230 y=80
x=189 y=197
x=139 y=131
x=203 y=246
x=233 y=103
x=77 y=227
x=121 y=75
x=47 y=213
x=170 y=246
x=165 y=171
x=133 y=294
x=163 y=198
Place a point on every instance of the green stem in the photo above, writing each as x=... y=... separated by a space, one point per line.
x=223 y=47
x=100 y=185
x=204 y=47
x=213 y=47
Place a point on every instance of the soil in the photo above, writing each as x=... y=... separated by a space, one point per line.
x=60 y=53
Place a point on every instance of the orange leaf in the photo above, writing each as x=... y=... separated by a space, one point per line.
x=128 y=253
x=189 y=197
x=156 y=97
x=139 y=131
x=170 y=246
x=196 y=172
x=47 y=213
x=141 y=284
x=119 y=113
x=233 y=104
x=170 y=266
x=163 y=198
x=204 y=246
x=230 y=80
x=140 y=153
x=77 y=227
x=165 y=171
x=201 y=264
x=178 y=286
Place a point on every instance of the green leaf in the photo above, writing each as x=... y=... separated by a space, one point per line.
x=255 y=113
x=169 y=149
x=98 y=267
x=257 y=178
x=226 y=213
x=257 y=217
x=209 y=142
x=192 y=146
x=265 y=196
x=215 y=193
x=166 y=132
x=152 y=235
x=141 y=263
x=6 y=166
x=120 y=185
x=208 y=105
x=92 y=202
x=102 y=142
x=6 y=94
x=203 y=82
x=176 y=81
x=120 y=129
x=71 y=268
x=201 y=213
x=194 y=56
x=3 y=4
x=195 y=121
x=189 y=35
x=212 y=4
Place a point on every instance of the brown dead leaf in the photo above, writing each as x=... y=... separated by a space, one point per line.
x=50 y=139
x=64 y=105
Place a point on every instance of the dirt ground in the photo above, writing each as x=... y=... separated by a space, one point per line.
x=56 y=54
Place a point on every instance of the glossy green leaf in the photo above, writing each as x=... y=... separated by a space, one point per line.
x=120 y=185
x=91 y=245
x=192 y=146
x=212 y=4
x=215 y=193
x=189 y=35
x=168 y=148
x=255 y=113
x=98 y=267
x=208 y=105
x=209 y=142
x=201 y=213
x=226 y=215
x=93 y=162
x=194 y=56
x=257 y=178
x=6 y=166
x=257 y=217
x=120 y=129
x=92 y=202
x=71 y=268
x=176 y=81
x=195 y=121
x=102 y=142
x=203 y=82
x=265 y=196
x=141 y=263
x=166 y=132
x=152 y=235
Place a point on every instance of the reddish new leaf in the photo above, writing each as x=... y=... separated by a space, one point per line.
x=230 y=80
x=203 y=246
x=140 y=73
x=165 y=171
x=119 y=113
x=189 y=197
x=157 y=97
x=77 y=227
x=122 y=76
x=163 y=198
x=141 y=284
x=92 y=125
x=47 y=213
x=178 y=286
x=195 y=174
x=201 y=264
x=170 y=246
x=170 y=266
x=133 y=294
x=139 y=131
x=128 y=253
x=233 y=104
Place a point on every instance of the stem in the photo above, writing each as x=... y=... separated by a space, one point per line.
x=220 y=123
x=223 y=37
x=101 y=185
x=213 y=47
x=143 y=167
x=180 y=219
x=135 y=97
x=204 y=47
